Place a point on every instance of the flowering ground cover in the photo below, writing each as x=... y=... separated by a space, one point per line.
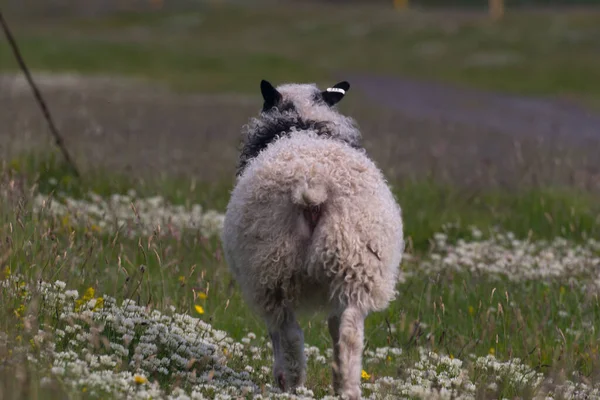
x=127 y=296
x=117 y=288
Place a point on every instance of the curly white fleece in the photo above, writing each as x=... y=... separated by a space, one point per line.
x=355 y=250
x=351 y=259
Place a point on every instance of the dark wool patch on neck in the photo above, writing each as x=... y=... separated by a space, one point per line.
x=269 y=130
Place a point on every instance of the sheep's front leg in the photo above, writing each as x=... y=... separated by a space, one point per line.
x=351 y=337
x=289 y=367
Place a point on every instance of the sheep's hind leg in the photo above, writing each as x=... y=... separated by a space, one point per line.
x=333 y=322
x=278 y=363
x=289 y=367
x=351 y=338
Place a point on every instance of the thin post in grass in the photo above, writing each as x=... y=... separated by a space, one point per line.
x=400 y=4
x=38 y=96
x=496 y=8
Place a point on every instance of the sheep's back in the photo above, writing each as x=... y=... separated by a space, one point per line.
x=353 y=253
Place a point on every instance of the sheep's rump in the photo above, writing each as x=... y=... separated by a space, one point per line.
x=353 y=253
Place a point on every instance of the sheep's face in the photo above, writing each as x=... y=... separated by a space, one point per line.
x=307 y=100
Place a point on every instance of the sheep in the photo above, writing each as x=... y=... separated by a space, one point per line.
x=311 y=222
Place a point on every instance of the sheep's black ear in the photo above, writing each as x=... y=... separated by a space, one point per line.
x=335 y=93
x=271 y=96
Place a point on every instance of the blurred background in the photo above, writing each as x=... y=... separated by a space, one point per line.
x=474 y=93
x=96 y=7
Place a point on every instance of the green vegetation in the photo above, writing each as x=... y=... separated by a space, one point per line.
x=428 y=207
x=229 y=48
x=452 y=311
x=468 y=291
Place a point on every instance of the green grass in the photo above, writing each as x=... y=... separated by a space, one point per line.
x=52 y=175
x=453 y=305
x=428 y=207
x=230 y=48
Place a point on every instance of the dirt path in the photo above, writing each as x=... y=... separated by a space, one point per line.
x=509 y=114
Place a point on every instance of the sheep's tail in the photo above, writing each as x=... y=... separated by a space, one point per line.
x=310 y=197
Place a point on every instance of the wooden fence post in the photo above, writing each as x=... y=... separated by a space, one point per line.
x=400 y=4
x=496 y=9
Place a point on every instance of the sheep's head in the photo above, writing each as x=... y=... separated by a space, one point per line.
x=295 y=107
x=300 y=97
x=304 y=105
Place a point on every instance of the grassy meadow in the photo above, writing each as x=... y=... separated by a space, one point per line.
x=205 y=50
x=114 y=285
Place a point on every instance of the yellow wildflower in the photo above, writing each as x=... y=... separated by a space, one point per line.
x=19 y=311
x=492 y=351
x=89 y=293
x=181 y=279
x=87 y=296
x=365 y=375
x=84 y=389
x=199 y=309
x=99 y=303
x=95 y=228
x=140 y=379
x=471 y=310
x=65 y=221
x=202 y=295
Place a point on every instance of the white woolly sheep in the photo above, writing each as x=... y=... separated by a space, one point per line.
x=311 y=222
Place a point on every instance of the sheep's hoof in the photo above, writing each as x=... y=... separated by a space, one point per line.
x=351 y=395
